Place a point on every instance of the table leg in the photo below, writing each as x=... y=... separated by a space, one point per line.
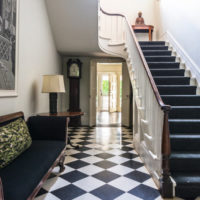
x=74 y=146
x=68 y=137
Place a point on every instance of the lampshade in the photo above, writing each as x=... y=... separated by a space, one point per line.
x=53 y=84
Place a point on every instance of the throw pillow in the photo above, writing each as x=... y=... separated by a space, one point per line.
x=14 y=139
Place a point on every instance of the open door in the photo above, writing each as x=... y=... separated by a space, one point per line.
x=113 y=93
x=125 y=96
x=93 y=88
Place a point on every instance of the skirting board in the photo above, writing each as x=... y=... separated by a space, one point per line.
x=190 y=64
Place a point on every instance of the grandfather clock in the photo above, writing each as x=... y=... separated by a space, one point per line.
x=74 y=75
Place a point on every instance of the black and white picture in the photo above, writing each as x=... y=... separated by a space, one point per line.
x=8 y=15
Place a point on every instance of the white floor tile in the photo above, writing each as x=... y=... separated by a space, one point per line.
x=90 y=170
x=87 y=196
x=121 y=170
x=47 y=196
x=88 y=184
x=124 y=183
x=118 y=159
x=93 y=152
x=127 y=196
x=92 y=159
x=55 y=183
x=69 y=159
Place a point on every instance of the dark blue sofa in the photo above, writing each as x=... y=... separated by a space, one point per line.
x=23 y=178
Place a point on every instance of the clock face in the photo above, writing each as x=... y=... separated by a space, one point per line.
x=74 y=70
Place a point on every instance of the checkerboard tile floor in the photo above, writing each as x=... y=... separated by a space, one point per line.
x=104 y=167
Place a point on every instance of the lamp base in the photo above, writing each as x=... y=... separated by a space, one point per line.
x=53 y=103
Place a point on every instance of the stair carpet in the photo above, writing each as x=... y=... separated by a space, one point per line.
x=184 y=118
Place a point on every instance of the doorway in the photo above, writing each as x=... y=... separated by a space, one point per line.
x=109 y=94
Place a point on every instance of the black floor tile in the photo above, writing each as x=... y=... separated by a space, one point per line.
x=138 y=176
x=104 y=155
x=106 y=176
x=68 y=193
x=73 y=176
x=77 y=164
x=133 y=164
x=107 y=192
x=105 y=164
x=145 y=192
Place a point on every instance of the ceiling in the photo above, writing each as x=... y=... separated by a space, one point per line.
x=75 y=26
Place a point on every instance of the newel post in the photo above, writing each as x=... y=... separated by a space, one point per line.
x=166 y=183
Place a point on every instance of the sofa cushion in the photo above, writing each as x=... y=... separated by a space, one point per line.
x=14 y=139
x=22 y=176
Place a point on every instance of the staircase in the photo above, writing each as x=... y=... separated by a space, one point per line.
x=184 y=117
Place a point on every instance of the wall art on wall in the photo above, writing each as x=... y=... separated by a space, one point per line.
x=8 y=47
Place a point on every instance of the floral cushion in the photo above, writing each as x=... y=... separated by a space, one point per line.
x=14 y=139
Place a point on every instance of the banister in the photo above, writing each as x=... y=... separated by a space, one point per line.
x=153 y=85
x=165 y=181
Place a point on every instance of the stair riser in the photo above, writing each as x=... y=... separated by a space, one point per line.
x=182 y=101
x=154 y=48
x=171 y=81
x=178 y=72
x=184 y=127
x=177 y=90
x=158 y=53
x=163 y=65
x=185 y=144
x=184 y=165
x=184 y=113
x=187 y=191
x=160 y=59
x=151 y=43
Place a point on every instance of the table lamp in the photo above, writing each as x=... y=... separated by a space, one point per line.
x=53 y=84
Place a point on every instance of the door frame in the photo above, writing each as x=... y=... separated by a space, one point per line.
x=93 y=82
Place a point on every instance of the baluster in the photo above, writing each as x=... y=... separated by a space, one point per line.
x=166 y=183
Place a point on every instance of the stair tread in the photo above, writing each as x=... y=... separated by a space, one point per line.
x=176 y=86
x=185 y=155
x=184 y=120
x=163 y=62
x=156 y=51
x=185 y=107
x=181 y=95
x=167 y=69
x=185 y=136
x=179 y=77
x=161 y=57
x=187 y=177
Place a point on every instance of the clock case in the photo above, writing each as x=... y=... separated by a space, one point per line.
x=71 y=62
x=74 y=92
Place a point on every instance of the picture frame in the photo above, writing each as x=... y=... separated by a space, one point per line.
x=9 y=47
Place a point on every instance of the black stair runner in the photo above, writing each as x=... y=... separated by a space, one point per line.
x=184 y=118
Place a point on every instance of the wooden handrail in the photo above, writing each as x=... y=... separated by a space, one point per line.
x=153 y=85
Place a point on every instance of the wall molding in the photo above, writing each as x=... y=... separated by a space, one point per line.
x=185 y=58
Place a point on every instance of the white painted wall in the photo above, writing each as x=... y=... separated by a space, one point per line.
x=75 y=26
x=130 y=8
x=37 y=56
x=181 y=19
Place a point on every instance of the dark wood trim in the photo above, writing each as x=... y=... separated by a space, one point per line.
x=166 y=183
x=45 y=177
x=12 y=116
x=1 y=190
x=146 y=67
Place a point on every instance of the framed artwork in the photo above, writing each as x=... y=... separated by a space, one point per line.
x=8 y=47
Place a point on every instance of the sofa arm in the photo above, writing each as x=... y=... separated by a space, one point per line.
x=47 y=128
x=1 y=190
